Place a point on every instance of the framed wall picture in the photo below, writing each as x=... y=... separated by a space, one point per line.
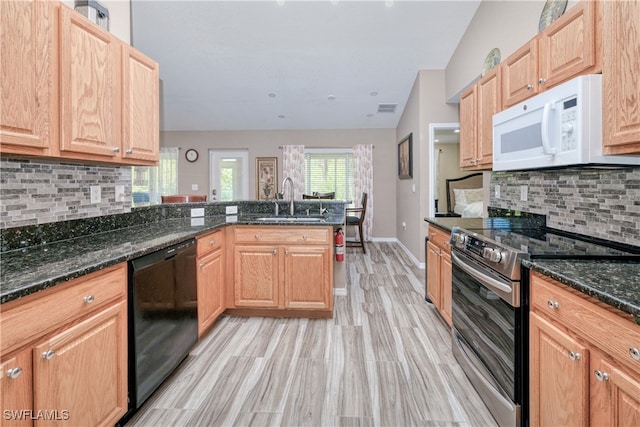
x=266 y=178
x=405 y=159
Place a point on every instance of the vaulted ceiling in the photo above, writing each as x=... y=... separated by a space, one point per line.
x=245 y=65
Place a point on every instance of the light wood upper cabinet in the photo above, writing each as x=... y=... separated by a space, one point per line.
x=570 y=46
x=141 y=107
x=520 y=74
x=89 y=89
x=478 y=104
x=621 y=77
x=29 y=77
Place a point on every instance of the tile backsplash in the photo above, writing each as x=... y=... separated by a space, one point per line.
x=39 y=192
x=602 y=203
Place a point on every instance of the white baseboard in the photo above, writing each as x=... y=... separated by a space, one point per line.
x=342 y=292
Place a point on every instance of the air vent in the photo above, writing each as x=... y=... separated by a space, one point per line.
x=387 y=108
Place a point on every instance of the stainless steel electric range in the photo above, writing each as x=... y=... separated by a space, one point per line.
x=490 y=304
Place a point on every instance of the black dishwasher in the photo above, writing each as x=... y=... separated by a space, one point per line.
x=163 y=318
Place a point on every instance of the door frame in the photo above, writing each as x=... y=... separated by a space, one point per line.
x=214 y=156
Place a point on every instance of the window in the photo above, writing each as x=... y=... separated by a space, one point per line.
x=328 y=170
x=148 y=183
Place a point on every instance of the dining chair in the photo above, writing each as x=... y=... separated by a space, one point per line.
x=355 y=218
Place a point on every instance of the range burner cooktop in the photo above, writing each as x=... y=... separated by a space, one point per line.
x=502 y=247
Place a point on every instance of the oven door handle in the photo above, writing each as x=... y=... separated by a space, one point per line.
x=486 y=280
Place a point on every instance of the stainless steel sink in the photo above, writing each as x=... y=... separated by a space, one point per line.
x=290 y=219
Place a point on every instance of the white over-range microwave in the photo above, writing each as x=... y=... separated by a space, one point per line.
x=559 y=127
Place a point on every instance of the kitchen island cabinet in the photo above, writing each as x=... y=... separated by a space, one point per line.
x=584 y=359
x=439 y=272
x=65 y=353
x=210 y=279
x=288 y=270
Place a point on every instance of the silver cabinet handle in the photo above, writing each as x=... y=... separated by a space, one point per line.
x=116 y=149
x=212 y=242
x=286 y=252
x=129 y=150
x=574 y=356
x=88 y=299
x=304 y=237
x=634 y=353
x=275 y=252
x=553 y=305
x=601 y=376
x=202 y=265
x=257 y=236
x=529 y=87
x=542 y=81
x=48 y=355
x=14 y=373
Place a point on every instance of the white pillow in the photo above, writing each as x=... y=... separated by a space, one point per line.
x=468 y=196
x=473 y=210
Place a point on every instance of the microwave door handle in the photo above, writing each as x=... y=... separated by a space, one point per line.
x=546 y=117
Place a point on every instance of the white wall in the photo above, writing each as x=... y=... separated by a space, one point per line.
x=266 y=143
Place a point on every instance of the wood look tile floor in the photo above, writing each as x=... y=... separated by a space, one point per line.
x=383 y=360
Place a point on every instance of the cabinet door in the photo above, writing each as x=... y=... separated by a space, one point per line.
x=568 y=47
x=520 y=74
x=620 y=77
x=445 y=277
x=615 y=394
x=489 y=103
x=307 y=281
x=29 y=79
x=559 y=376
x=433 y=274
x=255 y=281
x=89 y=89
x=468 y=128
x=140 y=125
x=16 y=398
x=85 y=370
x=210 y=289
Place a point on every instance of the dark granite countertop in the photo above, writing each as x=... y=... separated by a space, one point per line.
x=616 y=283
x=32 y=269
x=447 y=223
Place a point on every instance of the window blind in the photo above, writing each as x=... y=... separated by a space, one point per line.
x=151 y=182
x=328 y=170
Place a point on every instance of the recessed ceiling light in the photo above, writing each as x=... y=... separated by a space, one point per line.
x=457 y=131
x=331 y=97
x=388 y=3
x=280 y=2
x=374 y=93
x=281 y=116
x=436 y=140
x=271 y=95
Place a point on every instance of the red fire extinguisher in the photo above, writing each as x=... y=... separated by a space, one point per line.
x=339 y=238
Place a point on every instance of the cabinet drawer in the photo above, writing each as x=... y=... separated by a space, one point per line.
x=610 y=332
x=283 y=235
x=43 y=313
x=210 y=242
x=439 y=237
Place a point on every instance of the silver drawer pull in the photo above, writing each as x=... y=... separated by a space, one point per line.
x=574 y=356
x=48 y=355
x=116 y=149
x=553 y=305
x=129 y=151
x=634 y=353
x=88 y=299
x=529 y=87
x=257 y=236
x=212 y=242
x=14 y=373
x=601 y=376
x=304 y=237
x=202 y=265
x=275 y=252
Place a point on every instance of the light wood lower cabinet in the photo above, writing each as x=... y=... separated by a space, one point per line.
x=584 y=360
x=211 y=278
x=283 y=268
x=439 y=272
x=71 y=370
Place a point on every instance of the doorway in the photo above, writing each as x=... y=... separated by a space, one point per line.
x=444 y=143
x=229 y=175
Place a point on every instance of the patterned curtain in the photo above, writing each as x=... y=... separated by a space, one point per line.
x=363 y=183
x=293 y=167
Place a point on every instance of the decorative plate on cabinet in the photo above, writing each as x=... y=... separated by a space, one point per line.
x=491 y=61
x=552 y=10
